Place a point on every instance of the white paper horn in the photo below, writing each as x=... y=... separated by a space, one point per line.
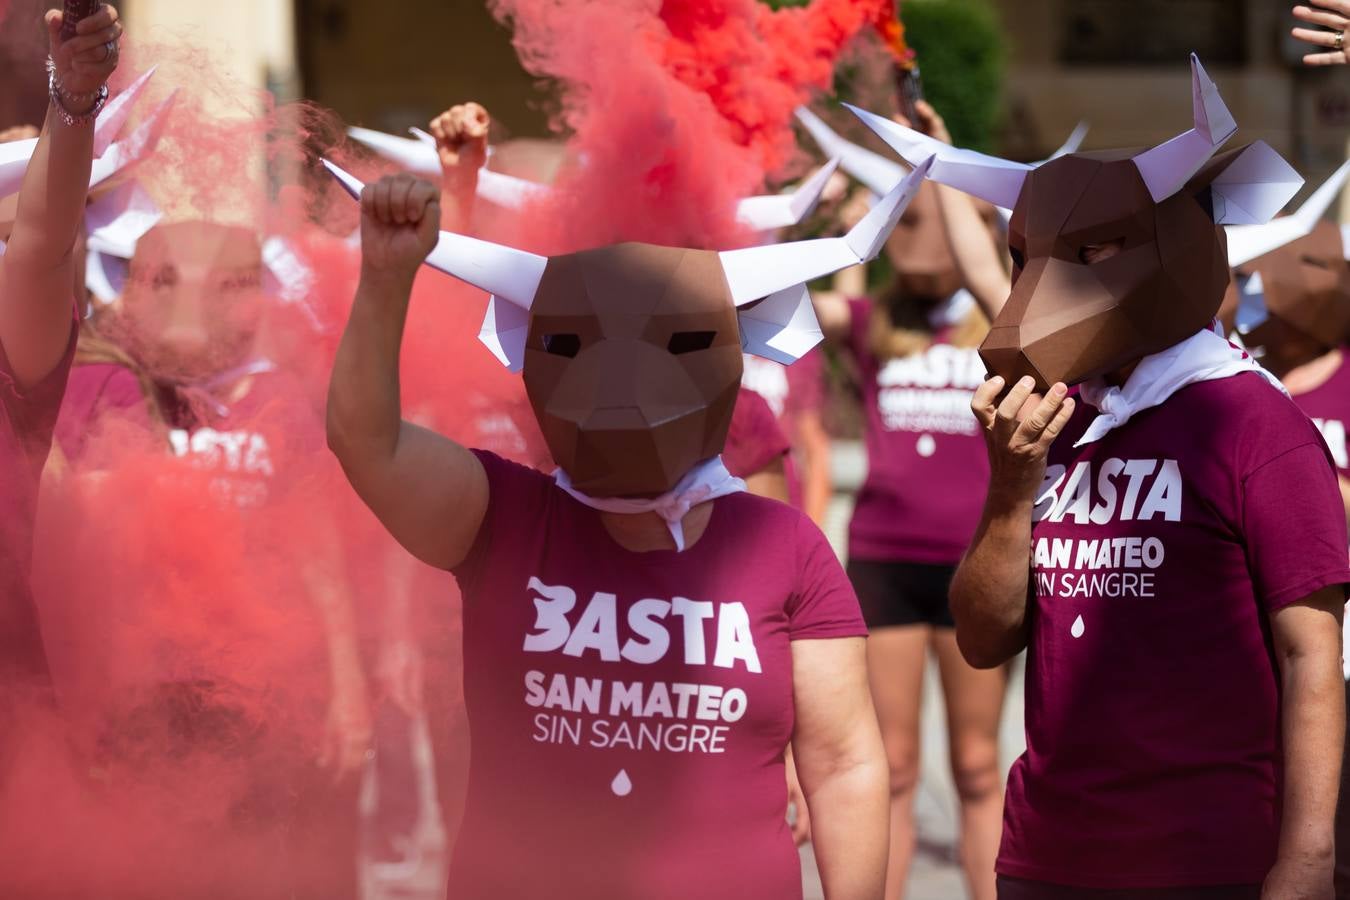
x=1247 y=242
x=410 y=154
x=997 y=180
x=874 y=171
x=757 y=272
x=1167 y=167
x=418 y=155
x=505 y=272
x=14 y=156
x=116 y=113
x=773 y=211
x=125 y=154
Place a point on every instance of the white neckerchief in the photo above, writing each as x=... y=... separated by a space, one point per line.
x=1204 y=356
x=206 y=391
x=952 y=310
x=706 y=481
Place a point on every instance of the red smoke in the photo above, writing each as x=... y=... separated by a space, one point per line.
x=677 y=109
x=187 y=651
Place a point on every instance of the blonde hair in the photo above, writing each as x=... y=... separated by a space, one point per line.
x=899 y=327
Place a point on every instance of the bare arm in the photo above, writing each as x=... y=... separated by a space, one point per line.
x=461 y=134
x=1307 y=639
x=349 y=729
x=770 y=481
x=430 y=492
x=977 y=254
x=37 y=272
x=814 y=443
x=989 y=589
x=841 y=765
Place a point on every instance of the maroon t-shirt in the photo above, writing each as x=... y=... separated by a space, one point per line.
x=1152 y=698
x=755 y=439
x=27 y=418
x=95 y=393
x=629 y=711
x=1328 y=405
x=264 y=485
x=927 y=467
x=238 y=444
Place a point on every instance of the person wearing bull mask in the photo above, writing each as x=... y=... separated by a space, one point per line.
x=1169 y=549
x=38 y=285
x=1289 y=306
x=915 y=349
x=642 y=638
x=755 y=451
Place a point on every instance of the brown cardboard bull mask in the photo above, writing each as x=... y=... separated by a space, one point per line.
x=920 y=253
x=1116 y=255
x=1291 y=278
x=1304 y=285
x=632 y=353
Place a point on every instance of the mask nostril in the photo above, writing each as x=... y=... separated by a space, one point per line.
x=568 y=345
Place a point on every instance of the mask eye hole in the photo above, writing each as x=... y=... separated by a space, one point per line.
x=567 y=344
x=690 y=341
x=1313 y=261
x=1019 y=260
x=164 y=277
x=1091 y=254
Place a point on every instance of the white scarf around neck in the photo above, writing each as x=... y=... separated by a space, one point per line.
x=706 y=481
x=1204 y=356
x=952 y=310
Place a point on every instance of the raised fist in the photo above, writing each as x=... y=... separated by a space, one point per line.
x=461 y=134
x=400 y=224
x=86 y=61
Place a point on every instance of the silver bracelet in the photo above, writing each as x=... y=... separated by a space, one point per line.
x=60 y=97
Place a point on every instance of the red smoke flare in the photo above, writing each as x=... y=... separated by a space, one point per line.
x=160 y=602
x=678 y=109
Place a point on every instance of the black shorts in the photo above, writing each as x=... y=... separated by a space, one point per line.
x=898 y=593
x=1018 y=889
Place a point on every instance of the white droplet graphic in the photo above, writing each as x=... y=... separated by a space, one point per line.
x=622 y=785
x=1077 y=629
x=926 y=446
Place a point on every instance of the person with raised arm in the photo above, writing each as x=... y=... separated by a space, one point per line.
x=39 y=283
x=1331 y=19
x=642 y=637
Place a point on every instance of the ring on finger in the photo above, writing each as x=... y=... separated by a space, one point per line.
x=1339 y=41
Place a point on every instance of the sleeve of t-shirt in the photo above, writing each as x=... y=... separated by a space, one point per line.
x=824 y=605
x=516 y=499
x=32 y=410
x=96 y=394
x=755 y=439
x=1294 y=524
